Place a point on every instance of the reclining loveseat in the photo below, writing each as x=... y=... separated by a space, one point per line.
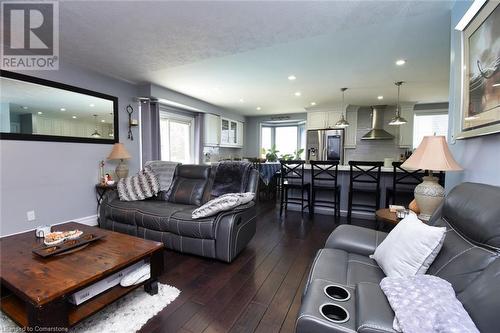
x=342 y=293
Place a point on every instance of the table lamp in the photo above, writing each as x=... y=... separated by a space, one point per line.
x=432 y=154
x=120 y=153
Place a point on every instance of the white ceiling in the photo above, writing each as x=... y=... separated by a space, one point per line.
x=223 y=51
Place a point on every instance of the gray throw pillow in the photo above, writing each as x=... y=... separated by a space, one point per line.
x=223 y=203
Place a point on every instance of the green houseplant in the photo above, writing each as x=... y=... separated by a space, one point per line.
x=272 y=154
x=295 y=156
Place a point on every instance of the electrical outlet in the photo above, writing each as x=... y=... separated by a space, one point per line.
x=30 y=215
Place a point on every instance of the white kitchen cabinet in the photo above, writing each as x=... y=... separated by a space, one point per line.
x=211 y=130
x=350 y=131
x=406 y=130
x=240 y=138
x=323 y=119
x=333 y=118
x=231 y=133
x=317 y=120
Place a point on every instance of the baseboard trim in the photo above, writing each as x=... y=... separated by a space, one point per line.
x=87 y=220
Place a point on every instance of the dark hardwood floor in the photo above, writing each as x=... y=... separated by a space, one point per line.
x=260 y=291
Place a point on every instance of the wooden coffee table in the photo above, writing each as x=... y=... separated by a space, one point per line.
x=35 y=290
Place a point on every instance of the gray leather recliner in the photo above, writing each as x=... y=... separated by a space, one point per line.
x=469 y=260
x=222 y=236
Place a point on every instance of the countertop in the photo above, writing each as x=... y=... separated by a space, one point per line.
x=344 y=168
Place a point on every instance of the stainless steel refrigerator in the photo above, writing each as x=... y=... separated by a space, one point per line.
x=325 y=145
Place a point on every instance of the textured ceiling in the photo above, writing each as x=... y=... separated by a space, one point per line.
x=223 y=51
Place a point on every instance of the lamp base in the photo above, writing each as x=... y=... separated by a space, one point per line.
x=121 y=170
x=429 y=195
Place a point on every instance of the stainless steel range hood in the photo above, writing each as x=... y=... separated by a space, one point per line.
x=377 y=132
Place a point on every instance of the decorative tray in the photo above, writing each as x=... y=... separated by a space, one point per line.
x=69 y=244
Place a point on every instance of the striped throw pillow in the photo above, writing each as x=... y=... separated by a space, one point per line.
x=139 y=187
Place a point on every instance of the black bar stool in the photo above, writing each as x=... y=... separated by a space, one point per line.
x=364 y=177
x=403 y=185
x=292 y=178
x=404 y=182
x=324 y=175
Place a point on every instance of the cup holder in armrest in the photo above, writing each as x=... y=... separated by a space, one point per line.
x=337 y=293
x=334 y=313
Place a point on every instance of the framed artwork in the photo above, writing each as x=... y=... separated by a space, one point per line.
x=481 y=73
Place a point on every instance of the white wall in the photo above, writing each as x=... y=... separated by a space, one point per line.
x=57 y=179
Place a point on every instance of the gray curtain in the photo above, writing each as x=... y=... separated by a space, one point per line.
x=150 y=122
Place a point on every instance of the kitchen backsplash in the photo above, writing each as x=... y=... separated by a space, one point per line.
x=215 y=154
x=373 y=150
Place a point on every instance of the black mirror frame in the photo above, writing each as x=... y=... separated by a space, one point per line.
x=54 y=138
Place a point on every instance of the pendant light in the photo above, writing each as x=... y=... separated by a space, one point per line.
x=398 y=120
x=96 y=134
x=342 y=123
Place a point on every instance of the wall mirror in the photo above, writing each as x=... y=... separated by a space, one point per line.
x=42 y=110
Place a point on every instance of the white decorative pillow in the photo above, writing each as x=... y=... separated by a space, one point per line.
x=224 y=202
x=410 y=248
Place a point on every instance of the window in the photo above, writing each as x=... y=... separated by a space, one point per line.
x=177 y=138
x=286 y=137
x=266 y=138
x=429 y=124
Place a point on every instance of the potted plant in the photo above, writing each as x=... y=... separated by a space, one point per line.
x=272 y=154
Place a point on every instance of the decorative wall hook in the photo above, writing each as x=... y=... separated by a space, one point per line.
x=131 y=122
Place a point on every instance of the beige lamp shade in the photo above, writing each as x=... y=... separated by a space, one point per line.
x=432 y=154
x=119 y=152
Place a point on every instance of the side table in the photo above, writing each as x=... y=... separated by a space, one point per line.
x=384 y=215
x=100 y=190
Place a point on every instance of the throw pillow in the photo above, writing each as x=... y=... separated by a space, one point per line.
x=139 y=187
x=410 y=248
x=425 y=303
x=224 y=202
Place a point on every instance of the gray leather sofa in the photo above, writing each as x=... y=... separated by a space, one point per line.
x=222 y=236
x=469 y=260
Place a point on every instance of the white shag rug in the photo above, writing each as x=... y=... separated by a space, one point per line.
x=125 y=315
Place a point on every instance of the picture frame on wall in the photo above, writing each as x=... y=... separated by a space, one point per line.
x=480 y=110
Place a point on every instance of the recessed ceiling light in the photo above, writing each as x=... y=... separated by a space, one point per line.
x=400 y=62
x=292 y=77
x=380 y=97
x=103 y=121
x=258 y=108
x=91 y=105
x=242 y=100
x=40 y=112
x=62 y=109
x=25 y=107
x=74 y=117
x=313 y=103
x=298 y=93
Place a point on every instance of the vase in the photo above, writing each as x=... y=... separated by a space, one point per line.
x=429 y=195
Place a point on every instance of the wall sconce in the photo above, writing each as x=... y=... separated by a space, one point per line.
x=131 y=122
